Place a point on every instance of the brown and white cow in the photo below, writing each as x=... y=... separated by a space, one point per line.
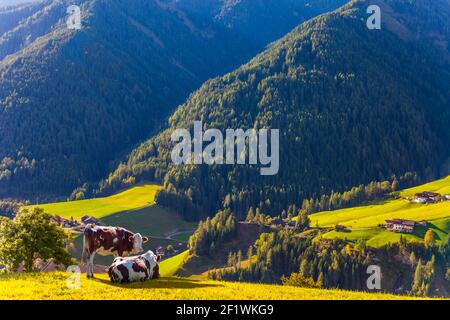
x=138 y=268
x=106 y=241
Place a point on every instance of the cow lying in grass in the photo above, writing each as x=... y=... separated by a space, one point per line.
x=114 y=241
x=138 y=268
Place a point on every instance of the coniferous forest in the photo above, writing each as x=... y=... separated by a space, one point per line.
x=352 y=107
x=73 y=103
x=88 y=116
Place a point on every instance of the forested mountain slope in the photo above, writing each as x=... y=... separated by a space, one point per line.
x=352 y=105
x=11 y=17
x=72 y=101
x=259 y=21
x=7 y=3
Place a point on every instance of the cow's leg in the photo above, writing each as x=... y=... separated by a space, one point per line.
x=91 y=264
x=88 y=264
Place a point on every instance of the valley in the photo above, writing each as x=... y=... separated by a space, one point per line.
x=133 y=209
x=123 y=123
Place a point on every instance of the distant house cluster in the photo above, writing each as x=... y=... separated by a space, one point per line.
x=429 y=197
x=66 y=223
x=75 y=224
x=281 y=223
x=88 y=219
x=403 y=226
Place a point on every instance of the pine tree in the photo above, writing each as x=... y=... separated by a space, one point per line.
x=250 y=252
x=250 y=215
x=412 y=259
x=319 y=282
x=239 y=259
x=230 y=259
x=418 y=282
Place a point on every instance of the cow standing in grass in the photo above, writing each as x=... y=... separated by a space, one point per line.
x=138 y=268
x=106 y=241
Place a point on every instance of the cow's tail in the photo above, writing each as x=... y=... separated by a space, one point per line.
x=87 y=232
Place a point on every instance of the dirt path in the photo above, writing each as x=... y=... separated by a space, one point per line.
x=169 y=235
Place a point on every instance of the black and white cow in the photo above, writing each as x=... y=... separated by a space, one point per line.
x=114 y=241
x=138 y=268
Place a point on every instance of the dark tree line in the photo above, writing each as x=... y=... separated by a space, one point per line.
x=282 y=257
x=360 y=194
x=212 y=233
x=9 y=207
x=330 y=263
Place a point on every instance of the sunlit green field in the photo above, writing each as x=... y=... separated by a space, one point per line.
x=376 y=237
x=363 y=220
x=170 y=266
x=372 y=215
x=441 y=186
x=54 y=286
x=151 y=221
x=131 y=199
x=133 y=209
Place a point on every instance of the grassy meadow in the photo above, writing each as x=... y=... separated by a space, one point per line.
x=169 y=267
x=128 y=200
x=363 y=220
x=53 y=286
x=133 y=209
x=441 y=186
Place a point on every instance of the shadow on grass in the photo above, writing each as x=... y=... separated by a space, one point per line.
x=420 y=231
x=162 y=283
x=377 y=203
x=436 y=227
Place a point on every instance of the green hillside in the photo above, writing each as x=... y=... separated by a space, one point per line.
x=111 y=84
x=53 y=286
x=55 y=139
x=352 y=106
x=133 y=209
x=441 y=186
x=170 y=266
x=134 y=198
x=363 y=220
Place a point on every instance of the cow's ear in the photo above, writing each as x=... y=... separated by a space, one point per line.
x=130 y=238
x=145 y=239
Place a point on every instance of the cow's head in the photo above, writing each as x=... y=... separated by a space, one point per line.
x=137 y=240
x=152 y=263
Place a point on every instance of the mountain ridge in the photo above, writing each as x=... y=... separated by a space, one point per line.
x=355 y=105
x=71 y=102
